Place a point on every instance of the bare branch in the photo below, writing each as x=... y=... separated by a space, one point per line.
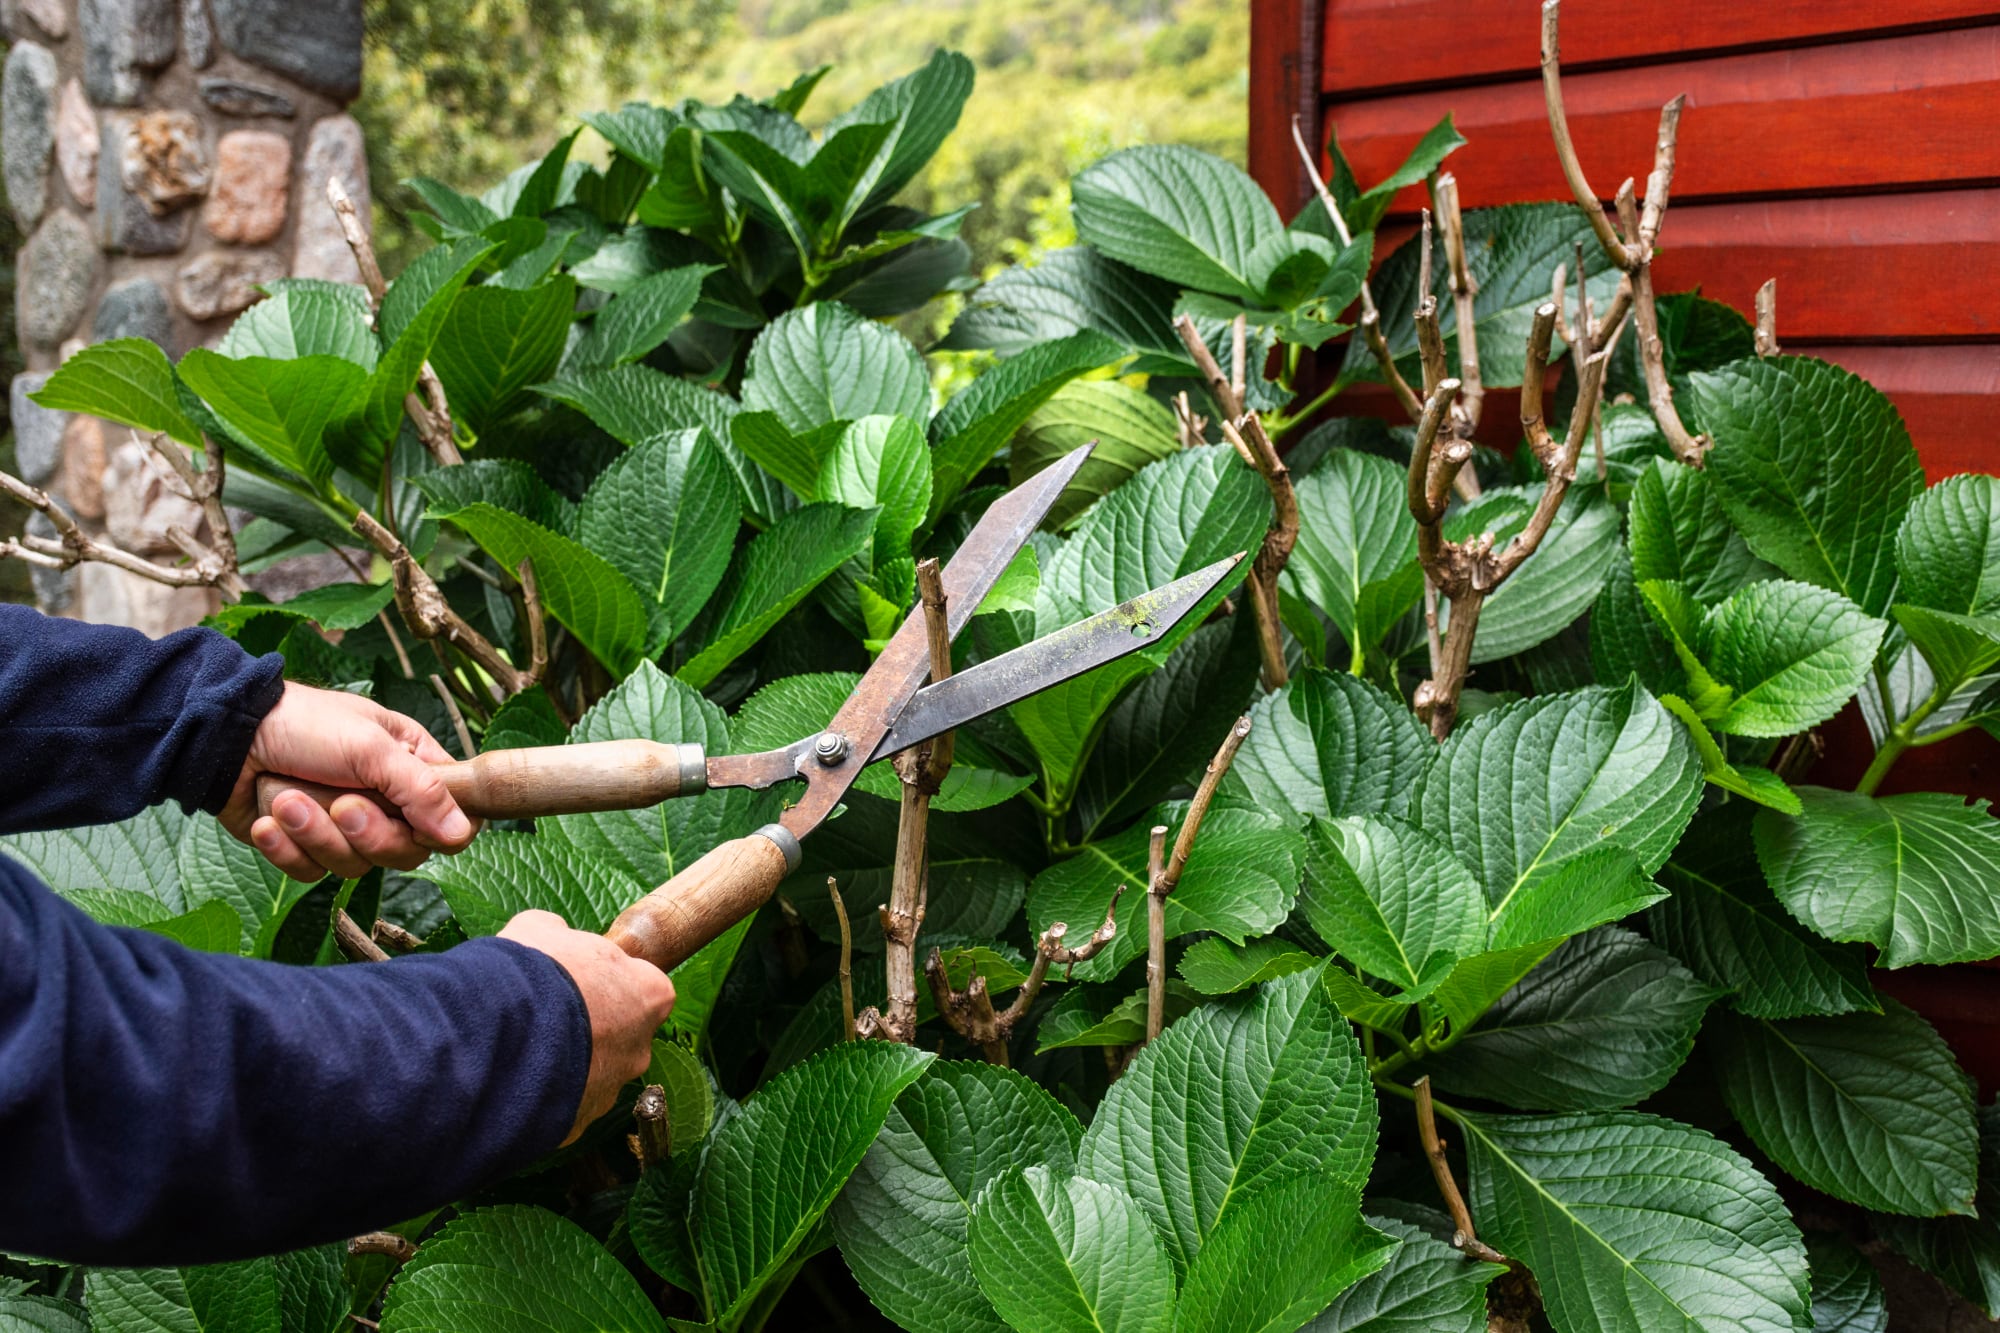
x=392 y=936
x=653 y=1143
x=1239 y=361
x=1156 y=931
x=922 y=770
x=1660 y=181
x=426 y=612
x=1193 y=426
x=1197 y=810
x=465 y=746
x=846 y=961
x=1451 y=223
x=1767 y=318
x=354 y=941
x=72 y=546
x=1579 y=185
x=538 y=632
x=385 y=1243
x=356 y=232
x=1464 y=1238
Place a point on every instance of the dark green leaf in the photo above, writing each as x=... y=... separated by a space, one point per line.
x=1391 y=899
x=1129 y=428
x=516 y=1270
x=497 y=342
x=1332 y=745
x=1426 y=1287
x=665 y=516
x=970 y=429
x=826 y=363
x=1066 y=292
x=1217 y=967
x=1086 y=1016
x=1242 y=1283
x=1179 y=214
x=1846 y=1294
x=1357 y=550
x=1069 y=1256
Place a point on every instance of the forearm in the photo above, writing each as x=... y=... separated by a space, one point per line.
x=101 y=722
x=161 y=1106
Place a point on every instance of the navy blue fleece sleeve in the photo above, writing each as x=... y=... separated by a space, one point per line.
x=161 y=1106
x=98 y=722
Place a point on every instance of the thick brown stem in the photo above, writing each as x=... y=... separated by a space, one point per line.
x=922 y=770
x=354 y=941
x=426 y=612
x=538 y=633
x=392 y=936
x=385 y=1243
x=846 y=961
x=653 y=1139
x=1767 y=318
x=1464 y=1237
x=1579 y=186
x=1156 y=932
x=1464 y=287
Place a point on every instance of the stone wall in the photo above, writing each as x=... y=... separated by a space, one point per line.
x=162 y=157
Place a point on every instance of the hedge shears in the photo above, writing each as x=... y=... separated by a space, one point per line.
x=891 y=709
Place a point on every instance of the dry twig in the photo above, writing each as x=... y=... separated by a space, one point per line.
x=1156 y=932
x=846 y=961
x=652 y=1140
x=1767 y=318
x=355 y=942
x=385 y=1243
x=1464 y=1237
x=465 y=746
x=392 y=936
x=970 y=1012
x=426 y=612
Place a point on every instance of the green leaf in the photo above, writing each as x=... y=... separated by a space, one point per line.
x=322 y=319
x=1330 y=744
x=1425 y=1287
x=881 y=462
x=795 y=459
x=1846 y=1294
x=1963 y=1251
x=1391 y=899
x=1578 y=1198
x=214 y=865
x=1240 y=1093
x=679 y=1073
x=638 y=319
x=229 y=1298
x=665 y=516
x=140 y=854
x=126 y=380
x=459 y=212
x=921 y=109
x=1520 y=789
x=337 y=606
x=773 y=575
x=1913 y=875
x=1789 y=653
x=503 y=873
x=1357 y=550
x=503 y=483
x=1129 y=428
x=1603 y=1022
x=1603 y=883
x=654 y=845
x=119 y=907
x=1957 y=647
x=578 y=587
x=1815 y=469
x=1069 y=1256
x=527 y=718
x=1695 y=334
x=1948 y=549
x=281 y=408
x=1068 y=291
x=1554 y=586
x=827 y=363
x=769 y=1173
x=1241 y=1283
x=1180 y=214
x=1760 y=785
x=1361 y=1003
x=902 y=1221
x=1088 y=1017
x=213 y=927
x=42 y=1314
x=1679 y=532
x=1217 y=967
x=516 y=1269
x=970 y=429
x=1363 y=211
x=639 y=130
x=1626 y=640
x=497 y=342
x=1512 y=252
x=1870 y=1108
x=1725 y=924
x=1476 y=983
x=1240 y=881
x=634 y=403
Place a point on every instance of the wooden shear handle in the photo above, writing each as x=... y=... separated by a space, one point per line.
x=668 y=925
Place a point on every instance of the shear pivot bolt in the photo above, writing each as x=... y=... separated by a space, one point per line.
x=831 y=747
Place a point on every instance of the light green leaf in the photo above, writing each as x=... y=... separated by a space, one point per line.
x=1558 y=583
x=1870 y=1108
x=1085 y=1016
x=1790 y=654
x=665 y=516
x=1331 y=744
x=634 y=403
x=213 y=927
x=1065 y=292
x=1578 y=1199
x=497 y=342
x=1522 y=788
x=1602 y=883
x=1725 y=924
x=881 y=462
x=1240 y=1093
x=1242 y=1283
x=773 y=575
x=769 y=1173
x=120 y=907
x=1957 y=647
x=1913 y=875
x=1476 y=983
x=970 y=429
x=903 y=1218
x=329 y=319
x=1846 y=1294
x=1814 y=467
x=213 y=865
x=126 y=380
x=922 y=107
x=1603 y=1022
x=1362 y=1003
x=1391 y=899
x=337 y=606
x=516 y=1269
x=1217 y=967
x=1357 y=550
x=1425 y=1287
x=1069 y=1256
x=1129 y=428
x=1948 y=549
x=1756 y=784
x=580 y=589
x=826 y=362
x=679 y=1073
x=1364 y=210
x=281 y=408
x=140 y=854
x=796 y=459
x=1680 y=533
x=503 y=873
x=1180 y=214
x=1240 y=881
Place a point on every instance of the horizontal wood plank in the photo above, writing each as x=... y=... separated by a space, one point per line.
x=1392 y=43
x=1876 y=115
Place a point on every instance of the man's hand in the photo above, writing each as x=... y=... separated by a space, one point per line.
x=343 y=740
x=627 y=998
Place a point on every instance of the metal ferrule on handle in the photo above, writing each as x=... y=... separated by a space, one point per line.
x=671 y=924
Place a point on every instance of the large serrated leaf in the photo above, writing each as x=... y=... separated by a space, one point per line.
x=1603 y=1022
x=1129 y=429
x=665 y=516
x=769 y=1173
x=1179 y=214
x=1632 y=1223
x=503 y=873
x=1915 y=875
x=1680 y=532
x=127 y=380
x=1238 y=1094
x=303 y=318
x=638 y=319
x=1846 y=1294
x=827 y=363
x=1392 y=900
x=881 y=463
x=1948 y=549
x=1962 y=1251
x=1426 y=1286
x=281 y=408
x=1870 y=1108
x=1786 y=656
x=922 y=107
x=903 y=1218
x=1331 y=745
x=214 y=865
x=634 y=403
x=228 y=1298
x=1357 y=550
x=1241 y=1283
x=497 y=342
x=1067 y=291
x=1814 y=467
x=1069 y=1256
x=1217 y=967
x=516 y=1270
x=139 y=854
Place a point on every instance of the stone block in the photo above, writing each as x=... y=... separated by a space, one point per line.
x=236 y=97
x=108 y=596
x=53 y=276
x=38 y=430
x=164 y=160
x=197 y=33
x=122 y=40
x=77 y=144
x=27 y=128
x=317 y=44
x=124 y=223
x=51 y=16
x=135 y=308
x=83 y=460
x=333 y=150
x=223 y=282
x=253 y=176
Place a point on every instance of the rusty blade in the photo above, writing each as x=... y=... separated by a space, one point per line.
x=1050 y=660
x=905 y=663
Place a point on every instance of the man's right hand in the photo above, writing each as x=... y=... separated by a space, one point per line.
x=627 y=999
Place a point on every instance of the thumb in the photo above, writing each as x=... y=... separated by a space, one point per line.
x=418 y=790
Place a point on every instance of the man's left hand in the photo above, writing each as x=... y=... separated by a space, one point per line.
x=343 y=740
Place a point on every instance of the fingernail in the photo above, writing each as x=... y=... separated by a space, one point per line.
x=292 y=814
x=456 y=827
x=352 y=819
